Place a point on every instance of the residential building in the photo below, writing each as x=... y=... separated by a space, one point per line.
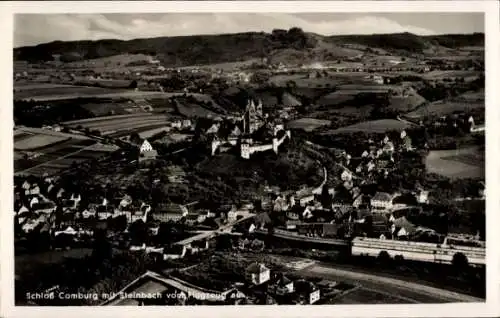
x=308 y=291
x=281 y=286
x=104 y=211
x=146 y=152
x=401 y=227
x=140 y=214
x=381 y=201
x=174 y=252
x=422 y=197
x=292 y=224
x=304 y=197
x=88 y=213
x=170 y=212
x=43 y=207
x=257 y=274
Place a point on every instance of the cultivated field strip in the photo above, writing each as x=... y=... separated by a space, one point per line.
x=105 y=118
x=61 y=157
x=138 y=129
x=125 y=123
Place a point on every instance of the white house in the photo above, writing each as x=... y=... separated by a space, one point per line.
x=258 y=274
x=307 y=214
x=174 y=252
x=284 y=286
x=43 y=207
x=422 y=197
x=88 y=213
x=232 y=214
x=308 y=290
x=346 y=175
x=68 y=231
x=381 y=201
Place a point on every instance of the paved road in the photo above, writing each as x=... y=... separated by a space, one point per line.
x=408 y=291
x=211 y=233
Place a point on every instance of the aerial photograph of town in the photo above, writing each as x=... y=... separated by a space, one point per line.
x=175 y=159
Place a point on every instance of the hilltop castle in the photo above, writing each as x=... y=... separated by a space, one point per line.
x=242 y=135
x=253 y=117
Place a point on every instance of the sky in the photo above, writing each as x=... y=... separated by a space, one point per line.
x=33 y=29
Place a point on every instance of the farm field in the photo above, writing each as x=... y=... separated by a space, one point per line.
x=37 y=141
x=112 y=124
x=435 y=75
x=20 y=135
x=151 y=132
x=441 y=108
x=50 y=92
x=104 y=119
x=151 y=126
x=61 y=92
x=307 y=124
x=405 y=104
x=461 y=163
x=102 y=109
x=26 y=86
x=53 y=159
x=26 y=131
x=194 y=110
x=331 y=80
x=375 y=126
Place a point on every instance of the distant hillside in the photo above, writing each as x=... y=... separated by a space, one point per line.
x=290 y=44
x=411 y=42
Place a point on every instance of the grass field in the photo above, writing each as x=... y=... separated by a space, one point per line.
x=27 y=86
x=102 y=109
x=113 y=124
x=27 y=262
x=36 y=141
x=307 y=124
x=375 y=126
x=462 y=163
x=194 y=110
x=53 y=159
x=151 y=132
x=441 y=108
x=61 y=92
x=405 y=104
x=436 y=75
x=49 y=92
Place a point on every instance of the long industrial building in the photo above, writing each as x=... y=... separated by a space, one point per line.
x=418 y=251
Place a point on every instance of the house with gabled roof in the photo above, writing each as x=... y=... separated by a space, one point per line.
x=146 y=152
x=381 y=202
x=169 y=212
x=257 y=274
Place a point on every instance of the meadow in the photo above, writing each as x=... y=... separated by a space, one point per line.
x=461 y=163
x=307 y=124
x=443 y=107
x=374 y=126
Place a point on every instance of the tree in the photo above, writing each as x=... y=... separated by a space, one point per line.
x=460 y=261
x=326 y=199
x=384 y=257
x=118 y=224
x=133 y=84
x=138 y=231
x=135 y=138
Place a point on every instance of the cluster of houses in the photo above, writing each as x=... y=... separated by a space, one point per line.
x=266 y=286
x=304 y=211
x=261 y=286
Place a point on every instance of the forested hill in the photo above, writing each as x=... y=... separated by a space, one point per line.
x=206 y=49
